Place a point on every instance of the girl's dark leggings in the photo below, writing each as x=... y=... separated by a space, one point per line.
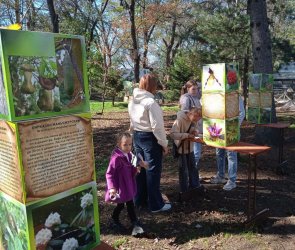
x=130 y=211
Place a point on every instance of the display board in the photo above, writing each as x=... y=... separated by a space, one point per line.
x=66 y=219
x=48 y=197
x=43 y=157
x=260 y=98
x=42 y=75
x=220 y=104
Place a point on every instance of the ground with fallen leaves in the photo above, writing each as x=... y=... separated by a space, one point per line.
x=215 y=222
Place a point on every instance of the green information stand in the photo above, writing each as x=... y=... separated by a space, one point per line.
x=260 y=98
x=48 y=196
x=220 y=99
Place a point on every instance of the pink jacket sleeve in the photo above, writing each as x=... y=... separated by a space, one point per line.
x=110 y=174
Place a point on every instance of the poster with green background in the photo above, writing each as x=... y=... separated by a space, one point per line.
x=44 y=74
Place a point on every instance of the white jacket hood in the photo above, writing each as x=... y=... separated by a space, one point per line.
x=140 y=94
x=146 y=115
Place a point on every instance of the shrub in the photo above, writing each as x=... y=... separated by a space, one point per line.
x=171 y=95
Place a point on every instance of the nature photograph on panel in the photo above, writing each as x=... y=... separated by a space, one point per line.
x=3 y=100
x=55 y=225
x=214 y=131
x=232 y=130
x=253 y=114
x=255 y=82
x=267 y=82
x=70 y=71
x=232 y=79
x=13 y=227
x=34 y=85
x=213 y=77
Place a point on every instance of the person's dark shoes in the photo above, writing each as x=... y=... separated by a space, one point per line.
x=117 y=226
x=137 y=229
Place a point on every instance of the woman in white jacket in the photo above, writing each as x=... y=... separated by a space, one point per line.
x=147 y=125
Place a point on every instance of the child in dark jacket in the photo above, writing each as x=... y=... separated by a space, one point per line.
x=183 y=132
x=121 y=185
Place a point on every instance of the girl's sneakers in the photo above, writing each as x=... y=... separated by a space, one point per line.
x=137 y=229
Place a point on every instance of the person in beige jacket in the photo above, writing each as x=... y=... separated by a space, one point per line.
x=183 y=132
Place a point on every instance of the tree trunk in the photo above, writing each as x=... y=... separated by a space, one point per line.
x=245 y=83
x=135 y=55
x=169 y=47
x=262 y=63
x=17 y=11
x=260 y=35
x=53 y=16
x=31 y=23
x=261 y=41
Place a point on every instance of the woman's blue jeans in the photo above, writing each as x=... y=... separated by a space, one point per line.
x=148 y=181
x=197 y=153
x=232 y=158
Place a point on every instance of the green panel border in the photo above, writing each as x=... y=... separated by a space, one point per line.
x=35 y=204
x=6 y=117
x=20 y=161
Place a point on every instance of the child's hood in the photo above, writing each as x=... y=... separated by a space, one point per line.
x=117 y=152
x=140 y=94
x=182 y=115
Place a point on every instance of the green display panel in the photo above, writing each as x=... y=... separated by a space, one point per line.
x=220 y=77
x=3 y=100
x=259 y=115
x=68 y=220
x=220 y=105
x=217 y=132
x=43 y=75
x=43 y=157
x=260 y=98
x=260 y=82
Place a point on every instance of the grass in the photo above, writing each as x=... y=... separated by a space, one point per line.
x=119 y=242
x=101 y=166
x=249 y=235
x=96 y=106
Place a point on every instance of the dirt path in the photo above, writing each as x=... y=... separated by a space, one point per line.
x=211 y=223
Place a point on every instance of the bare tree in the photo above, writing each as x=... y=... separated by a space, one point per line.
x=130 y=7
x=53 y=16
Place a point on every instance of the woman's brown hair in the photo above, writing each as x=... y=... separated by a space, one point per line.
x=149 y=82
x=188 y=85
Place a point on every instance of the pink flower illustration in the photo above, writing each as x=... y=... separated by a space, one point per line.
x=231 y=77
x=214 y=131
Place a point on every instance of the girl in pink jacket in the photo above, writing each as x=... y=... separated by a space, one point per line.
x=121 y=185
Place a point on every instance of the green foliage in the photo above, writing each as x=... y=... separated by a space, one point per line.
x=95 y=70
x=119 y=242
x=101 y=165
x=226 y=33
x=172 y=95
x=186 y=66
x=114 y=83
